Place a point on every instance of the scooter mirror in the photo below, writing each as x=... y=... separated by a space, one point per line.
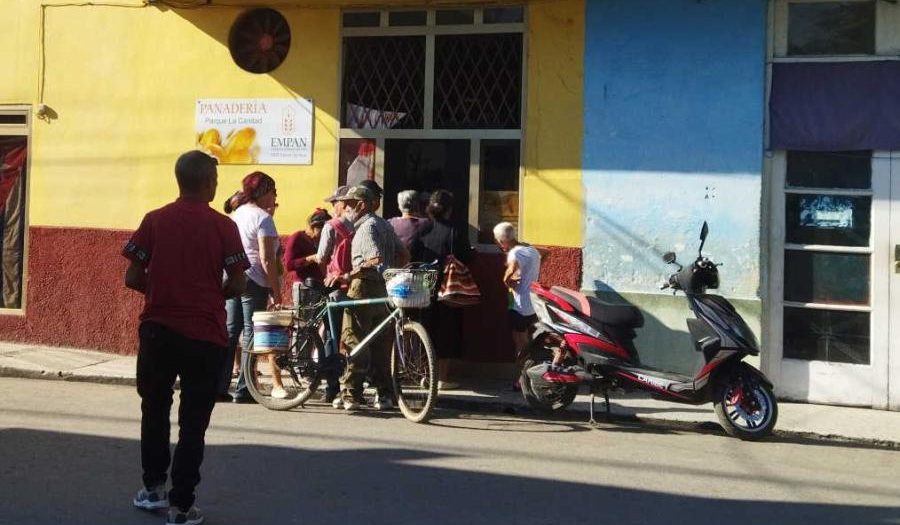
x=669 y=257
x=704 y=231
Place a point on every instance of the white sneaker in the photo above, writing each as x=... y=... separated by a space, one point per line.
x=383 y=403
x=447 y=385
x=278 y=393
x=179 y=517
x=151 y=499
x=351 y=405
x=338 y=403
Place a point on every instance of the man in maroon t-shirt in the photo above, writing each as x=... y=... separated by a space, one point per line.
x=177 y=258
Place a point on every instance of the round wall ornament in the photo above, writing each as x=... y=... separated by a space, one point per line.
x=259 y=40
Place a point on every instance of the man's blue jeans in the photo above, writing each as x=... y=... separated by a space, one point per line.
x=240 y=317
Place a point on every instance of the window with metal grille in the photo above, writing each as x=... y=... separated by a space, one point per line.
x=433 y=98
x=384 y=82
x=478 y=81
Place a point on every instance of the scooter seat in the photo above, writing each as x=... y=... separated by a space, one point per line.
x=618 y=315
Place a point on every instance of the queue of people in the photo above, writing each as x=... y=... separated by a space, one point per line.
x=350 y=249
x=196 y=307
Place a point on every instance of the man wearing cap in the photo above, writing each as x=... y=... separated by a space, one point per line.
x=328 y=238
x=374 y=248
x=376 y=190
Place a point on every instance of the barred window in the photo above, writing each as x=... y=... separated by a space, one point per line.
x=478 y=81
x=433 y=99
x=384 y=82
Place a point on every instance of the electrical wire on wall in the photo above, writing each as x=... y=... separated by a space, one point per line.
x=181 y=4
x=43 y=112
x=406 y=4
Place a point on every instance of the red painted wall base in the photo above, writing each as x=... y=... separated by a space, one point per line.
x=76 y=297
x=75 y=294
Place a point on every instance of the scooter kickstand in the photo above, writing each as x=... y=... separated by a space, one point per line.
x=606 y=399
x=592 y=420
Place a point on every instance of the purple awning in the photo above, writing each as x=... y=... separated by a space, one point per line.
x=835 y=106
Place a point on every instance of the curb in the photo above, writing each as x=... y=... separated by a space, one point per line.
x=511 y=408
x=60 y=375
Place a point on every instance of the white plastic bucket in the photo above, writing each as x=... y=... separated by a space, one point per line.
x=271 y=331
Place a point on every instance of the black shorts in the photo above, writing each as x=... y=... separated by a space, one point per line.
x=519 y=322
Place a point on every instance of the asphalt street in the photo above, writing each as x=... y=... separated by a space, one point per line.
x=69 y=454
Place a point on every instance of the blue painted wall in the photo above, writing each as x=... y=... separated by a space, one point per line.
x=674 y=105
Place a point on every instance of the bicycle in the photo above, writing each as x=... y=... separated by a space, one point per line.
x=413 y=369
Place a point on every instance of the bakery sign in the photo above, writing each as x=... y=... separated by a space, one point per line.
x=256 y=131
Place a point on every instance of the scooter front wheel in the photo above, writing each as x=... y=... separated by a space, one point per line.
x=745 y=406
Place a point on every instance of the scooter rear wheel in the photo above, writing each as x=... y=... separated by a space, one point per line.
x=545 y=400
x=745 y=406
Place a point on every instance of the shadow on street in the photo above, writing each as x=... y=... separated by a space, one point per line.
x=56 y=477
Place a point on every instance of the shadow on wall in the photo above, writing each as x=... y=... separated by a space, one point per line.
x=673 y=136
x=640 y=249
x=486 y=334
x=295 y=74
x=45 y=482
x=659 y=345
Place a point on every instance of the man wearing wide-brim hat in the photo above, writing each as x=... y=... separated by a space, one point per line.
x=375 y=247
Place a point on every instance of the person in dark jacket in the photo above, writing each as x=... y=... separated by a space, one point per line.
x=437 y=242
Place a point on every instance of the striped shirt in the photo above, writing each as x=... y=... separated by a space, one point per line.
x=374 y=237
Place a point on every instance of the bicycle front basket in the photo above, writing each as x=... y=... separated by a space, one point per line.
x=410 y=288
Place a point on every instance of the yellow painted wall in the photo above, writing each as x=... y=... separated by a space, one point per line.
x=19 y=51
x=124 y=82
x=553 y=197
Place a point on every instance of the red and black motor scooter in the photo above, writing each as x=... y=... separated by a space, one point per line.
x=582 y=340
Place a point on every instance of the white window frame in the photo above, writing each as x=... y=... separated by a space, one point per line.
x=887 y=38
x=21 y=130
x=430 y=30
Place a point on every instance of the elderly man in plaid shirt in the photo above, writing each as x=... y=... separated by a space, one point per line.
x=375 y=247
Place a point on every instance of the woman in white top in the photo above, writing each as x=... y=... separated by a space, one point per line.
x=260 y=239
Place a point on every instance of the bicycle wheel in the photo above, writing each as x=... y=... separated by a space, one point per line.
x=413 y=372
x=298 y=370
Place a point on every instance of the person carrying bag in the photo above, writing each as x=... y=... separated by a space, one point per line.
x=444 y=319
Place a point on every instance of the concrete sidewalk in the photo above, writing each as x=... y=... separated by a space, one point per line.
x=854 y=425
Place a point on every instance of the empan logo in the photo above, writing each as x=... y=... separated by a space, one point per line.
x=288 y=121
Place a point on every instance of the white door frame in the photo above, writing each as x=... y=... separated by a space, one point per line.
x=838 y=383
x=893 y=257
